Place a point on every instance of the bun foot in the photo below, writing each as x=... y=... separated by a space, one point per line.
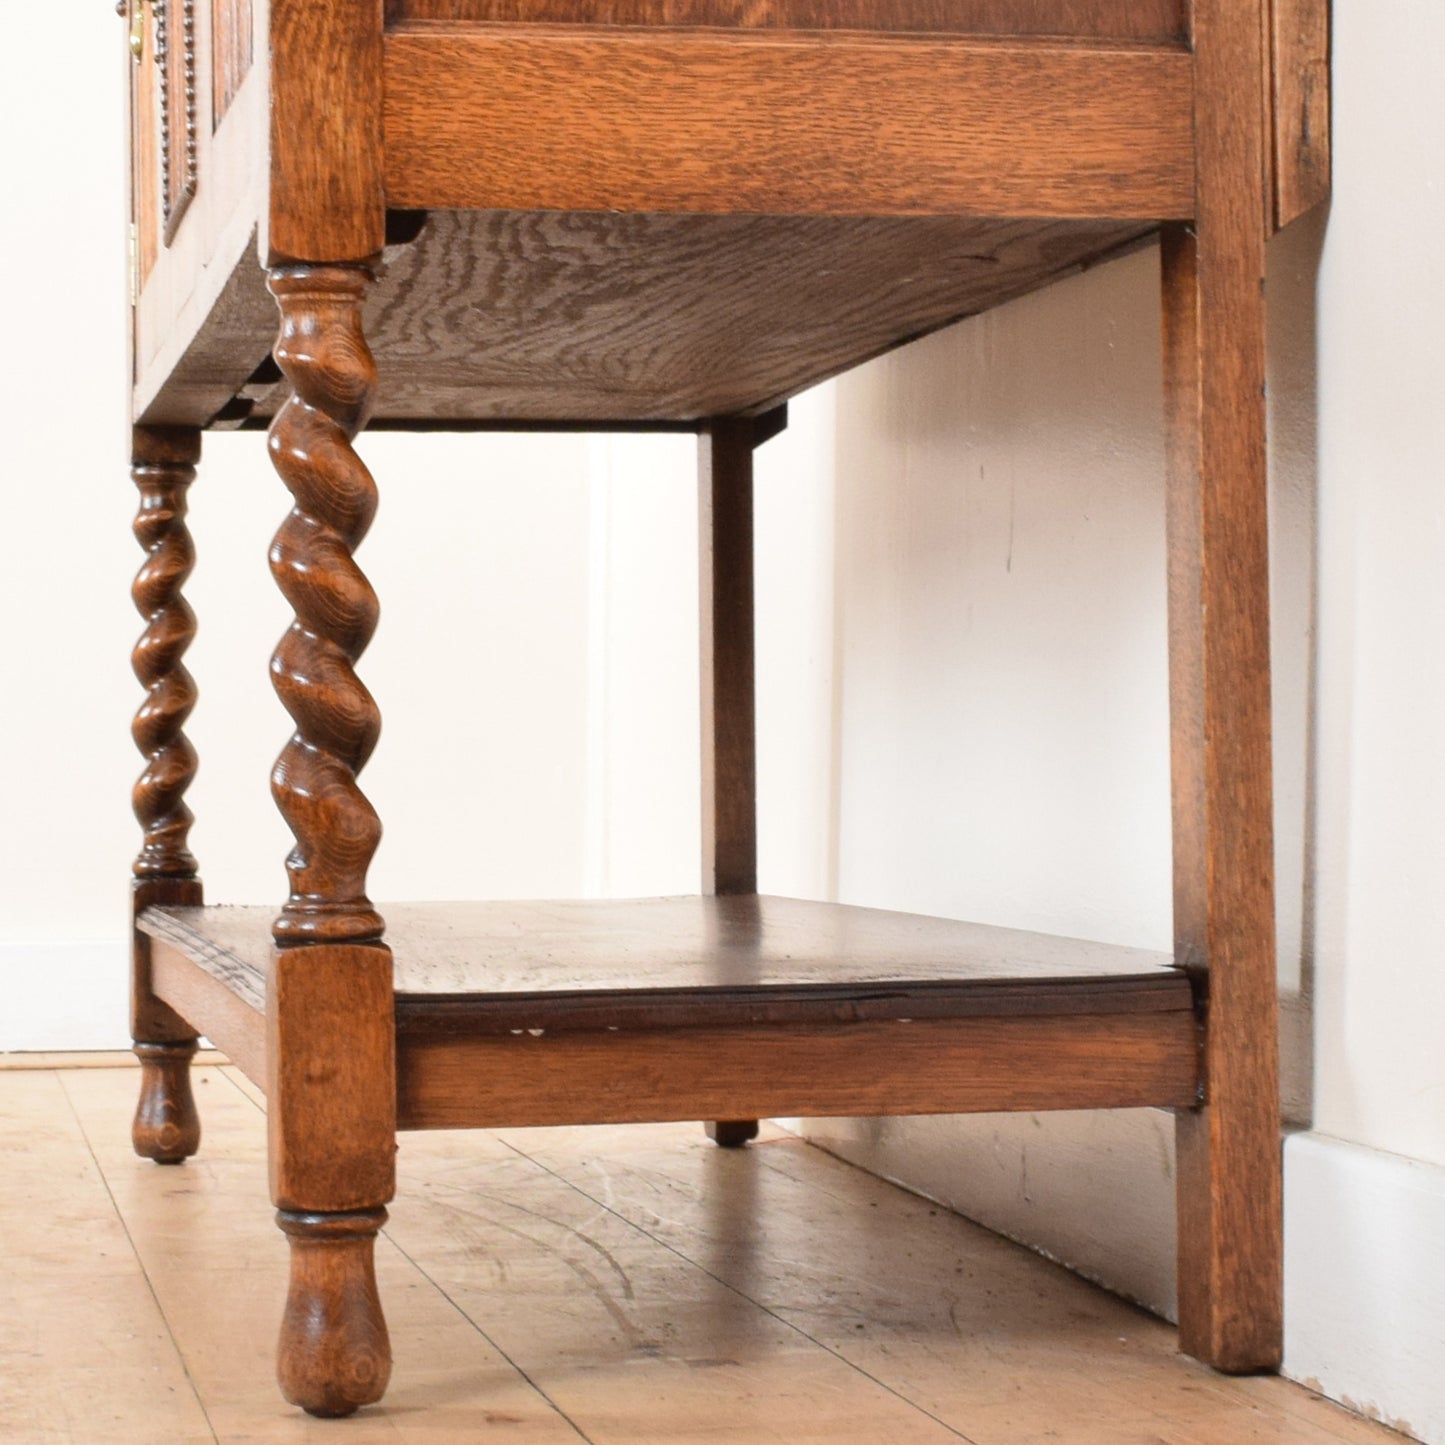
x=334 y=1355
x=732 y=1133
x=167 y=1127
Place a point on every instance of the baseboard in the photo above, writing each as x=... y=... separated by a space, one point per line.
x=1364 y=1233
x=1365 y=1281
x=65 y=995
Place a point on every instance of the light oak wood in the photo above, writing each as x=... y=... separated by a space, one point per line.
x=1229 y=1196
x=1157 y=20
x=644 y=1287
x=919 y=1066
x=326 y=198
x=621 y=319
x=792 y=124
x=1301 y=96
x=679 y=225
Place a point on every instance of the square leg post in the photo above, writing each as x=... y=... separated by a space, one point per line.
x=167 y=1127
x=1228 y=1180
x=729 y=750
x=330 y=1012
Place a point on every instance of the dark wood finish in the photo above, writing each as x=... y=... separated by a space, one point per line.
x=163 y=466
x=732 y=1133
x=326 y=198
x=574 y=963
x=919 y=1066
x=166 y=1127
x=725 y=574
x=232 y=52
x=726 y=670
x=1301 y=77
x=1230 y=1268
x=1156 y=20
x=323 y=354
x=334 y=1355
x=613 y=319
x=786 y=123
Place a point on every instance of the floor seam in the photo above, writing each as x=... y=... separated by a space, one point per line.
x=441 y=1290
x=140 y=1263
x=741 y=1294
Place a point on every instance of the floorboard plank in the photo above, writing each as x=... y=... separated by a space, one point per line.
x=85 y=1354
x=609 y=1285
x=958 y=1320
x=205 y=1234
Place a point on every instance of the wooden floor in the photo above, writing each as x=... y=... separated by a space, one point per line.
x=621 y=1285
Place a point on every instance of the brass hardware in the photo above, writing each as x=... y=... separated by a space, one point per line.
x=137 y=27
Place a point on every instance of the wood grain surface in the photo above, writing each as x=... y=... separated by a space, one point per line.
x=1101 y=19
x=917 y=1066
x=1229 y=1193
x=1301 y=74
x=681 y=945
x=233 y=46
x=325 y=67
x=322 y=353
x=785 y=124
x=330 y=1077
x=622 y=1285
x=610 y=318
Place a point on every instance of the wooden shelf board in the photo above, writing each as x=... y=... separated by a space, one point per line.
x=667 y=1008
x=699 y=960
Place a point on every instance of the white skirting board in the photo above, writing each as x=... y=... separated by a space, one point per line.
x=1364 y=1307
x=1364 y=1233
x=65 y=996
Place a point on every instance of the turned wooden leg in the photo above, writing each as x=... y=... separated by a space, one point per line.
x=1228 y=1178
x=330 y=1015
x=166 y=1128
x=334 y=1355
x=729 y=750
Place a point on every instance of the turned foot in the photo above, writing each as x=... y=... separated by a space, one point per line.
x=334 y=1355
x=167 y=1127
x=732 y=1133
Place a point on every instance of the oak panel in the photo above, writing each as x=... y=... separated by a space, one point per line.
x=785 y=123
x=1103 y=19
x=922 y=1066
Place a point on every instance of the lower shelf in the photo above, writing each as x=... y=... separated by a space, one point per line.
x=574 y=1012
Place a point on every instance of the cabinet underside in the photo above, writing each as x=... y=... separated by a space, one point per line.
x=491 y=317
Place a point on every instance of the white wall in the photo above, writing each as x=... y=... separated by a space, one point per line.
x=997 y=669
x=961 y=664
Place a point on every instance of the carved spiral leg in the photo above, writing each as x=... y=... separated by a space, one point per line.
x=324 y=355
x=334 y=1355
x=160 y=528
x=330 y=997
x=166 y=1127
